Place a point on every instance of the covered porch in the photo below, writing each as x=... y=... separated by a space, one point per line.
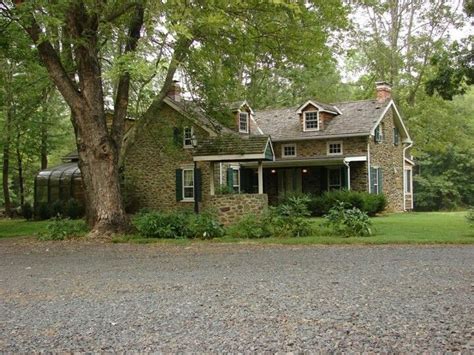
x=311 y=176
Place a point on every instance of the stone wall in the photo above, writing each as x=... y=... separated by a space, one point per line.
x=389 y=157
x=318 y=147
x=151 y=160
x=231 y=208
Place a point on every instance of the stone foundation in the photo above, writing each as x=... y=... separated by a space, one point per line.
x=231 y=208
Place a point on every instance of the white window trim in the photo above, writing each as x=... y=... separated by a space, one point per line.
x=304 y=121
x=236 y=170
x=340 y=178
x=379 y=127
x=334 y=142
x=283 y=155
x=408 y=185
x=188 y=146
x=187 y=199
x=247 y=120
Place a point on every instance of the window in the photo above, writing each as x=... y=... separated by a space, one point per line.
x=396 y=136
x=376 y=180
x=288 y=150
x=408 y=181
x=188 y=137
x=236 y=180
x=311 y=120
x=379 y=133
x=188 y=184
x=334 y=179
x=244 y=122
x=334 y=148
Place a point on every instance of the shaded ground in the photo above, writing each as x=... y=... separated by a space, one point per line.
x=79 y=296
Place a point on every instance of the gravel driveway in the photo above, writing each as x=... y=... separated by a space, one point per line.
x=79 y=296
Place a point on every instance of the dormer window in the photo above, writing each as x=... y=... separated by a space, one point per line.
x=311 y=120
x=243 y=122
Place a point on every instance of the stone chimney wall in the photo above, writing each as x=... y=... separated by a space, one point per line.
x=384 y=91
x=174 y=91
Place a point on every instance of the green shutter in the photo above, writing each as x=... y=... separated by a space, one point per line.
x=198 y=184
x=179 y=184
x=230 y=178
x=380 y=181
x=177 y=137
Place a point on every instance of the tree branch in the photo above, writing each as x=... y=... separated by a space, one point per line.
x=123 y=89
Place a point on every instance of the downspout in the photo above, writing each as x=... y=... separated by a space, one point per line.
x=368 y=166
x=348 y=174
x=404 y=179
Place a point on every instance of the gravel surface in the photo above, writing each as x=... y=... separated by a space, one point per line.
x=78 y=296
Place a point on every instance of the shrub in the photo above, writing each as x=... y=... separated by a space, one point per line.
x=289 y=219
x=62 y=228
x=251 y=227
x=27 y=211
x=224 y=190
x=163 y=225
x=57 y=209
x=43 y=211
x=348 y=222
x=364 y=201
x=181 y=224
x=73 y=209
x=205 y=226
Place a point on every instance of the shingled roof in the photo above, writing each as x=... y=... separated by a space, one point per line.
x=239 y=147
x=356 y=118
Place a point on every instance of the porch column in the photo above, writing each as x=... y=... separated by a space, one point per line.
x=211 y=178
x=260 y=177
x=348 y=176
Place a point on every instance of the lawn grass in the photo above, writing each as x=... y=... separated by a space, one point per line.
x=21 y=228
x=400 y=228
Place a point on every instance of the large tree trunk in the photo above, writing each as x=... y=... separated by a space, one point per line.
x=21 y=182
x=6 y=151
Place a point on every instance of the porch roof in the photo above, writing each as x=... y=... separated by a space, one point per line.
x=313 y=161
x=234 y=148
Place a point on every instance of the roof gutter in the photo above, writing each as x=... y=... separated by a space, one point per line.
x=320 y=137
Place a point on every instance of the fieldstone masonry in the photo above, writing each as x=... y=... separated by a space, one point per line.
x=231 y=208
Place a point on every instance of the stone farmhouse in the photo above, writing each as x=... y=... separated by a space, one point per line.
x=182 y=159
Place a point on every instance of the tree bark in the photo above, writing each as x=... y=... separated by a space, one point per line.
x=98 y=151
x=6 y=149
x=21 y=182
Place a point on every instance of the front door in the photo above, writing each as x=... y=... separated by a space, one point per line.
x=289 y=181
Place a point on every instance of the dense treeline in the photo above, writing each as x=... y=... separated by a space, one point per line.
x=271 y=53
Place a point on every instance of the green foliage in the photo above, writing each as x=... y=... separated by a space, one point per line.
x=57 y=209
x=251 y=227
x=181 y=224
x=348 y=222
x=205 y=226
x=224 y=190
x=27 y=211
x=63 y=228
x=43 y=211
x=290 y=219
x=366 y=202
x=73 y=209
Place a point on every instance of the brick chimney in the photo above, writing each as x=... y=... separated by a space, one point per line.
x=384 y=91
x=174 y=92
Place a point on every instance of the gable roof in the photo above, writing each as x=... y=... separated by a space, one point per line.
x=356 y=118
x=320 y=106
x=192 y=111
